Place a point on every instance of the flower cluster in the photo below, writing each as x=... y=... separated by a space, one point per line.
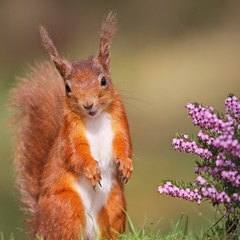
x=232 y=107
x=217 y=146
x=215 y=196
x=211 y=192
x=205 y=137
x=228 y=144
x=169 y=189
x=207 y=119
x=224 y=169
x=185 y=145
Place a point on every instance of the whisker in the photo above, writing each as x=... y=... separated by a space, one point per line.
x=126 y=95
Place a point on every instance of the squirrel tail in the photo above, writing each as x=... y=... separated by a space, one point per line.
x=38 y=105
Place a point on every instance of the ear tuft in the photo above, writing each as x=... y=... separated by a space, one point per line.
x=62 y=65
x=109 y=27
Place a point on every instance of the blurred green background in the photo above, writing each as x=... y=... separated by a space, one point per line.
x=165 y=54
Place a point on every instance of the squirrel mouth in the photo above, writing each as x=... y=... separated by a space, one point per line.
x=93 y=113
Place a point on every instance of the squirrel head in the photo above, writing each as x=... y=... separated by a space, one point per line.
x=88 y=85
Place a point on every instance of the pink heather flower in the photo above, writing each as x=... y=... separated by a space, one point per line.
x=224 y=169
x=188 y=146
x=204 y=192
x=215 y=196
x=232 y=107
x=218 y=144
x=185 y=136
x=228 y=144
x=222 y=197
x=160 y=190
x=205 y=137
x=205 y=118
x=232 y=177
x=222 y=161
x=236 y=198
x=201 y=180
x=169 y=189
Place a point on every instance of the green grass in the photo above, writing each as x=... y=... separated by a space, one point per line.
x=180 y=230
x=11 y=237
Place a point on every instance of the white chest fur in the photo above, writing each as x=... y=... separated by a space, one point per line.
x=100 y=137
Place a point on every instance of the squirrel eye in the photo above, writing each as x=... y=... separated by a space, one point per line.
x=68 y=89
x=103 y=81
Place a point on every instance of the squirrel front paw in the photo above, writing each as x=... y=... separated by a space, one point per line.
x=125 y=168
x=93 y=174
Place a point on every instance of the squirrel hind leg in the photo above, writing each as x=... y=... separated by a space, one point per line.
x=61 y=216
x=112 y=218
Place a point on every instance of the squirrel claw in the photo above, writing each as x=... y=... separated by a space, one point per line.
x=125 y=180
x=125 y=168
x=93 y=175
x=94 y=185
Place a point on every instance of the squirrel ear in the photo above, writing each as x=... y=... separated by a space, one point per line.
x=62 y=65
x=108 y=29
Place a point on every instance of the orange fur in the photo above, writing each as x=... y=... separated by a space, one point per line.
x=52 y=149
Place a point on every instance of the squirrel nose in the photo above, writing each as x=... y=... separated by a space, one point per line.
x=87 y=107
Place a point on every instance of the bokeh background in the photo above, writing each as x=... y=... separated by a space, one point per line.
x=165 y=54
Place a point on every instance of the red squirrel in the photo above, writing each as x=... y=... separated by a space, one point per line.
x=73 y=148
